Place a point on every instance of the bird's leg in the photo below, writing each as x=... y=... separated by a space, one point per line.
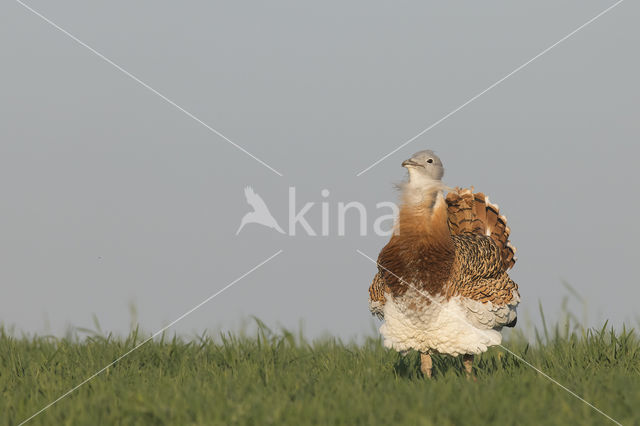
x=467 y=360
x=426 y=364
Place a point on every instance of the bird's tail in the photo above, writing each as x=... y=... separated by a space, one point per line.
x=474 y=213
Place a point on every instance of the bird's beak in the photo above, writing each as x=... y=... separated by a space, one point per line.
x=409 y=163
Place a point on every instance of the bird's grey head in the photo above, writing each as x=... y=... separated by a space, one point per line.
x=424 y=166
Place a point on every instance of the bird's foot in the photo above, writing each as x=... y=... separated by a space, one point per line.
x=426 y=365
x=467 y=360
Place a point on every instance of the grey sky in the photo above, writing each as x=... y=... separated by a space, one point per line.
x=111 y=196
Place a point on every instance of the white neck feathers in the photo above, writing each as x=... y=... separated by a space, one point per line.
x=422 y=191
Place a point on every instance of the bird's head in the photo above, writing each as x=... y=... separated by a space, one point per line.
x=424 y=166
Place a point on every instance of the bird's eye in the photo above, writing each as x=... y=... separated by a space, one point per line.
x=430 y=160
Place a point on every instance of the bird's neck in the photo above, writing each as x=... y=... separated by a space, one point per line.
x=421 y=191
x=421 y=249
x=423 y=213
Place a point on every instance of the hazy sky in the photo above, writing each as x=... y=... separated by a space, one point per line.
x=112 y=196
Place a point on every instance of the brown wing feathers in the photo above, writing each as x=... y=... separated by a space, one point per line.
x=475 y=214
x=462 y=215
x=377 y=289
x=479 y=207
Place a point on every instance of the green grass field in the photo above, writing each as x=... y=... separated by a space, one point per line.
x=280 y=378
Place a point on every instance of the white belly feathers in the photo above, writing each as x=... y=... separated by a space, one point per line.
x=455 y=326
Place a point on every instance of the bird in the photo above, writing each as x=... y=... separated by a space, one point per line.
x=442 y=284
x=260 y=213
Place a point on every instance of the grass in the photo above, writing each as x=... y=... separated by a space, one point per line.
x=281 y=378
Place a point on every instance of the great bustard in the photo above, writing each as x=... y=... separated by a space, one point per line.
x=442 y=283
